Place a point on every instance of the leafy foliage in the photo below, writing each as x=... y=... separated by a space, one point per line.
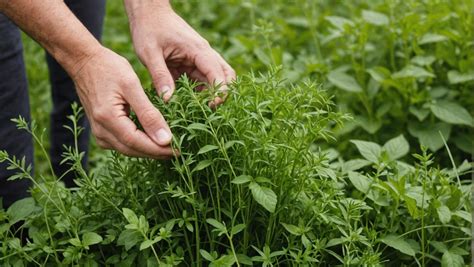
x=268 y=193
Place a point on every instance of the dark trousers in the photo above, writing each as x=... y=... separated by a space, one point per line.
x=14 y=101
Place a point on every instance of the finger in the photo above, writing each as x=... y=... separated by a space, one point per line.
x=150 y=118
x=208 y=64
x=228 y=70
x=162 y=78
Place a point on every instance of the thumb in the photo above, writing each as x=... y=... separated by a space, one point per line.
x=150 y=118
x=162 y=78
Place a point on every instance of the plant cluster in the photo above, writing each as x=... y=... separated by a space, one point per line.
x=254 y=184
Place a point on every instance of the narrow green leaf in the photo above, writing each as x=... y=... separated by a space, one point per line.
x=218 y=225
x=293 y=229
x=412 y=71
x=242 y=179
x=399 y=244
x=207 y=148
x=202 y=165
x=456 y=77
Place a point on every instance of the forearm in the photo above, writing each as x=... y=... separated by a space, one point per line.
x=131 y=6
x=54 y=26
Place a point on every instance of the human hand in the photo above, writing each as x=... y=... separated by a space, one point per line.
x=108 y=87
x=169 y=47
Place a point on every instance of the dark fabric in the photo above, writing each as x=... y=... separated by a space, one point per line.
x=14 y=100
x=91 y=14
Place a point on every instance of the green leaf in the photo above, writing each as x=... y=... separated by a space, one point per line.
x=444 y=214
x=412 y=71
x=340 y=22
x=456 y=77
x=355 y=164
x=397 y=147
x=148 y=243
x=369 y=150
x=206 y=255
x=375 y=18
x=75 y=242
x=293 y=229
x=207 y=148
x=237 y=229
x=264 y=196
x=130 y=216
x=428 y=134
x=129 y=238
x=91 y=238
x=421 y=113
x=399 y=244
x=360 y=182
x=242 y=179
x=202 y=165
x=344 y=81
x=451 y=112
x=450 y=259
x=20 y=210
x=218 y=225
x=432 y=38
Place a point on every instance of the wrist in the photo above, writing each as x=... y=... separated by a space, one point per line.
x=73 y=63
x=135 y=8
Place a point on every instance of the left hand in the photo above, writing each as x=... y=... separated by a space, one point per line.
x=169 y=47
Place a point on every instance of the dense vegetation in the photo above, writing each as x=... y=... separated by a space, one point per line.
x=316 y=162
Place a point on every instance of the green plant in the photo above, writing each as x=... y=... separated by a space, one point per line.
x=255 y=183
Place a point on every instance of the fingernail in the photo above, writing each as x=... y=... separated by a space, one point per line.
x=163 y=136
x=166 y=91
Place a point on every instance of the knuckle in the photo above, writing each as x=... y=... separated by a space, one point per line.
x=100 y=114
x=128 y=82
x=149 y=117
x=127 y=139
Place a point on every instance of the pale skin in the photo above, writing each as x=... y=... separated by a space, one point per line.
x=106 y=83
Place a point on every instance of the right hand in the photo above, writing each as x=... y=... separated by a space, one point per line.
x=108 y=87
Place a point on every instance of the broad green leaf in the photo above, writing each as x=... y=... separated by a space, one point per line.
x=369 y=150
x=455 y=77
x=444 y=214
x=451 y=112
x=375 y=18
x=75 y=242
x=129 y=238
x=432 y=38
x=224 y=261
x=20 y=210
x=202 y=165
x=428 y=134
x=360 y=182
x=91 y=238
x=464 y=215
x=344 y=81
x=412 y=71
x=130 y=216
x=207 y=148
x=440 y=246
x=370 y=125
x=450 y=259
x=355 y=164
x=264 y=196
x=397 y=147
x=242 y=179
x=244 y=259
x=399 y=244
x=420 y=113
x=423 y=60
